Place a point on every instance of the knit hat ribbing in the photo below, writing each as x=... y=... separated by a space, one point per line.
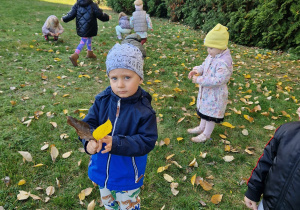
x=125 y=56
x=217 y=37
x=138 y=2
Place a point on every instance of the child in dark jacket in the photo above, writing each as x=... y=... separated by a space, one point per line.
x=124 y=25
x=86 y=13
x=277 y=172
x=118 y=161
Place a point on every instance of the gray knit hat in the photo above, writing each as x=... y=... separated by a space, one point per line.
x=125 y=56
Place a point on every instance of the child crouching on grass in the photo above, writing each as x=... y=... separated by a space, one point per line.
x=52 y=27
x=118 y=161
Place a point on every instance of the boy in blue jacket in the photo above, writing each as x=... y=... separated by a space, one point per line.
x=118 y=161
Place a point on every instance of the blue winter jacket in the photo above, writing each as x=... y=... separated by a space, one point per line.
x=134 y=135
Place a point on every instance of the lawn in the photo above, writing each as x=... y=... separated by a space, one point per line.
x=39 y=87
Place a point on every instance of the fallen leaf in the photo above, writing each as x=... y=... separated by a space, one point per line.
x=193 y=179
x=34 y=197
x=249 y=151
x=23 y=195
x=193 y=163
x=169 y=157
x=45 y=146
x=26 y=155
x=54 y=124
x=21 y=182
x=228 y=158
x=67 y=154
x=179 y=138
x=54 y=153
x=203 y=155
x=91 y=205
x=50 y=190
x=245 y=132
x=174 y=162
x=205 y=185
x=227 y=124
x=38 y=165
x=81 y=195
x=216 y=199
x=269 y=127
x=168 y=178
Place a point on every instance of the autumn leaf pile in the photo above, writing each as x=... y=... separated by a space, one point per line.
x=43 y=164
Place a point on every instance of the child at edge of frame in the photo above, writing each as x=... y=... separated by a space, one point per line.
x=140 y=21
x=276 y=174
x=118 y=161
x=52 y=27
x=212 y=76
x=86 y=13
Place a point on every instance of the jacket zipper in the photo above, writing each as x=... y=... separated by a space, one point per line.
x=109 y=155
x=136 y=172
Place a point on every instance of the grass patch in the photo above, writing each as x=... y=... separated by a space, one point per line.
x=31 y=80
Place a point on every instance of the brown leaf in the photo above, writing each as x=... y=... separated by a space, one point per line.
x=205 y=185
x=216 y=199
x=82 y=128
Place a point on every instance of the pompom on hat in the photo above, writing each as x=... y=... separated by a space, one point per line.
x=138 y=2
x=125 y=56
x=217 y=37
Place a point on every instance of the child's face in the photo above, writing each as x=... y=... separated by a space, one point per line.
x=124 y=82
x=213 y=51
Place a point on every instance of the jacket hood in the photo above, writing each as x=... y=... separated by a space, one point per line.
x=84 y=3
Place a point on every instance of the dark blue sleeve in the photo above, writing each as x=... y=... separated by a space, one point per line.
x=71 y=14
x=139 y=144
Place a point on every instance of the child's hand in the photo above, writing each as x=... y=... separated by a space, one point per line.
x=108 y=141
x=94 y=146
x=250 y=204
x=110 y=17
x=62 y=20
x=192 y=73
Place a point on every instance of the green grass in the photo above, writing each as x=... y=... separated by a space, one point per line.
x=172 y=51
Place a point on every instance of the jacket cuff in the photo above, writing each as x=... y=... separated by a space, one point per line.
x=252 y=195
x=84 y=143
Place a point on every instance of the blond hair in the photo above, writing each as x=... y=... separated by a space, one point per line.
x=121 y=14
x=52 y=22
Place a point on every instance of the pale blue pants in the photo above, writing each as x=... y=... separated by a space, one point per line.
x=121 y=31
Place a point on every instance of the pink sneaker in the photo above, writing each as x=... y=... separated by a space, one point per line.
x=195 y=130
x=200 y=138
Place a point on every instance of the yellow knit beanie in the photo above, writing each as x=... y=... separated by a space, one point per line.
x=217 y=37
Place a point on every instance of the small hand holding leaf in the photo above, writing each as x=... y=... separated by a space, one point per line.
x=94 y=147
x=108 y=141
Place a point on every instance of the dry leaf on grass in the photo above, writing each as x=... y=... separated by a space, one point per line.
x=216 y=199
x=26 y=156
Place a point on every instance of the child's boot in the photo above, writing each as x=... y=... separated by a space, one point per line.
x=74 y=57
x=200 y=138
x=90 y=54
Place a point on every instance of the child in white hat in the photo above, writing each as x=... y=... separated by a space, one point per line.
x=212 y=77
x=118 y=161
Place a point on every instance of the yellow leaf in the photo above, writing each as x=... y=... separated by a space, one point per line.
x=193 y=179
x=227 y=124
x=179 y=138
x=247 y=117
x=54 y=124
x=222 y=136
x=38 y=165
x=215 y=199
x=169 y=157
x=21 y=182
x=102 y=130
x=157 y=81
x=247 y=76
x=227 y=148
x=193 y=163
x=81 y=195
x=167 y=141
